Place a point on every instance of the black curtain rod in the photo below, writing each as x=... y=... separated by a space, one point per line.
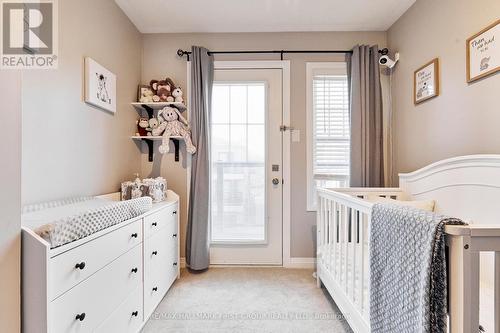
x=182 y=53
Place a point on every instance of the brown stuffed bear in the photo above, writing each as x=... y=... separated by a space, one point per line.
x=165 y=91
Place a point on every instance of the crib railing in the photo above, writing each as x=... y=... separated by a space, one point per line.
x=343 y=228
x=342 y=248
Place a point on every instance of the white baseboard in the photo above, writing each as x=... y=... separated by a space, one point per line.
x=297 y=262
x=301 y=262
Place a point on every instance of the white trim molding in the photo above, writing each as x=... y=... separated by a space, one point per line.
x=336 y=68
x=302 y=262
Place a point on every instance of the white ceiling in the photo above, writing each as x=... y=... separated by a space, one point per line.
x=153 y=16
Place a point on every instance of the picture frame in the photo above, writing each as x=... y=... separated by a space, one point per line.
x=426 y=82
x=141 y=88
x=483 y=52
x=100 y=86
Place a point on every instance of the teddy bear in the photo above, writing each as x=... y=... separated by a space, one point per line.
x=142 y=126
x=153 y=123
x=165 y=91
x=174 y=124
x=177 y=94
x=147 y=96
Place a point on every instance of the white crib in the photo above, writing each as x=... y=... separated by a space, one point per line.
x=467 y=187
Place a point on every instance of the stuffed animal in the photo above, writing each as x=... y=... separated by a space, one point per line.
x=153 y=124
x=147 y=96
x=165 y=91
x=177 y=94
x=154 y=87
x=142 y=125
x=174 y=124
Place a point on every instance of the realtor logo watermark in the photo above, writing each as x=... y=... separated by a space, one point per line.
x=29 y=34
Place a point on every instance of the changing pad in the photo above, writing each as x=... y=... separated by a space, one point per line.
x=62 y=222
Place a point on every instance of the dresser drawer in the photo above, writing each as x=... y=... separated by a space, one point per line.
x=87 y=305
x=127 y=318
x=160 y=219
x=160 y=250
x=160 y=270
x=70 y=268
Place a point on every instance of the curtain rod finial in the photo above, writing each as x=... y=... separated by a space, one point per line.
x=180 y=52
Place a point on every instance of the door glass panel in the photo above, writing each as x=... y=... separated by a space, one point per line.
x=238 y=156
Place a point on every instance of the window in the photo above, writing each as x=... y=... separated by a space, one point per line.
x=238 y=147
x=328 y=137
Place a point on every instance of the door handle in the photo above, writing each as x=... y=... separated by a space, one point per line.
x=276 y=181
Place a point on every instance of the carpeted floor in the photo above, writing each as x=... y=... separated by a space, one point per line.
x=247 y=300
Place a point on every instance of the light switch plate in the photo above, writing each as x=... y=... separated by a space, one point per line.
x=295 y=135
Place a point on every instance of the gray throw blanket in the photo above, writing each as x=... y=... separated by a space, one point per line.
x=408 y=288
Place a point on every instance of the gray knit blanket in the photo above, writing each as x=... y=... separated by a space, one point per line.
x=408 y=288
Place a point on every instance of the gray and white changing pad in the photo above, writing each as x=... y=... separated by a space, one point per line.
x=64 y=221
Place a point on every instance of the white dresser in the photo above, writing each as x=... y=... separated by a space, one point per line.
x=110 y=281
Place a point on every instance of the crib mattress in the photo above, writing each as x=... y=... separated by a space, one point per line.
x=65 y=221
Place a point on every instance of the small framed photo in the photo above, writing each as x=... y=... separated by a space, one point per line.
x=483 y=52
x=426 y=81
x=144 y=93
x=100 y=86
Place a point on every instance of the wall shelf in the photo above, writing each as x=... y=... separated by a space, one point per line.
x=151 y=107
x=149 y=140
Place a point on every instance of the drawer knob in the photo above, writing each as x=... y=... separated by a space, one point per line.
x=155 y=289
x=134 y=235
x=134 y=270
x=175 y=263
x=154 y=253
x=174 y=212
x=80 y=266
x=80 y=316
x=154 y=224
x=135 y=313
x=174 y=235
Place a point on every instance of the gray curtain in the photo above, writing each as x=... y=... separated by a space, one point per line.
x=202 y=76
x=367 y=160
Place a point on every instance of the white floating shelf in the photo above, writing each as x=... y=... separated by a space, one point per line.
x=149 y=137
x=158 y=105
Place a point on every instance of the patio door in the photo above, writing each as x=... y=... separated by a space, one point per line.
x=246 y=167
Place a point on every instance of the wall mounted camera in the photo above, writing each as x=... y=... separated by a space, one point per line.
x=386 y=60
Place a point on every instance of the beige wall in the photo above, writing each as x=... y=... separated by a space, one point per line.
x=160 y=60
x=10 y=200
x=71 y=148
x=465 y=118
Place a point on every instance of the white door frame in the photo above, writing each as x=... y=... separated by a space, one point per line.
x=284 y=65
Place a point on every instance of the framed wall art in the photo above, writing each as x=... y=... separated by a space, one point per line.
x=426 y=82
x=100 y=86
x=483 y=52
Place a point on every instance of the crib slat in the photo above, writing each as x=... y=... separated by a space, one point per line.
x=346 y=247
x=341 y=243
x=497 y=293
x=334 y=239
x=327 y=232
x=354 y=237
x=320 y=228
x=331 y=204
x=361 y=286
x=324 y=229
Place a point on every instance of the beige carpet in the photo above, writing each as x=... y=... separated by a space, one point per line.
x=247 y=300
